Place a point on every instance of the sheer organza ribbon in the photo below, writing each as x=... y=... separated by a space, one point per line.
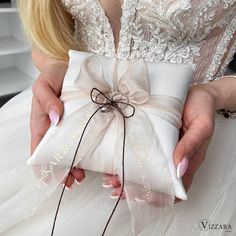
x=107 y=104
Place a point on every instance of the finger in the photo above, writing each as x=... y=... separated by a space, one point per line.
x=79 y=175
x=39 y=123
x=197 y=133
x=116 y=193
x=187 y=181
x=106 y=176
x=69 y=181
x=197 y=158
x=196 y=161
x=112 y=182
x=51 y=104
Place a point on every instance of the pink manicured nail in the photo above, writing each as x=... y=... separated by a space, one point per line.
x=113 y=196
x=182 y=167
x=54 y=117
x=77 y=182
x=67 y=188
x=106 y=185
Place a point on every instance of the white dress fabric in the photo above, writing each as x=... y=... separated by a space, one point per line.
x=180 y=31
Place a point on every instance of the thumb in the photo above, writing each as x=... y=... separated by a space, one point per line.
x=195 y=135
x=50 y=103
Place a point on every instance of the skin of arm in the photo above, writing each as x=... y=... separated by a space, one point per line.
x=54 y=69
x=224 y=90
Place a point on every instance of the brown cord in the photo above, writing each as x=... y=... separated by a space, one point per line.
x=112 y=104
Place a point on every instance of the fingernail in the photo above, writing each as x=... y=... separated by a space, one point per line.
x=54 y=117
x=68 y=189
x=77 y=182
x=107 y=185
x=182 y=167
x=113 y=196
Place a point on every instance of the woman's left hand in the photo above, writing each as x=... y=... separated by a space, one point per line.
x=195 y=136
x=196 y=132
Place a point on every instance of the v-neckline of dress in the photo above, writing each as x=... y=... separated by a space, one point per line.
x=126 y=20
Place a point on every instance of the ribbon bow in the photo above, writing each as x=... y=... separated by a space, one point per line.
x=112 y=102
x=131 y=78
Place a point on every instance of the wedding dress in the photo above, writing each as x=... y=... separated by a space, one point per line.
x=178 y=31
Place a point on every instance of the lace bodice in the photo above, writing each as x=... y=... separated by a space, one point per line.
x=179 y=31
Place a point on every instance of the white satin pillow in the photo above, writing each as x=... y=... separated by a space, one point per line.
x=156 y=90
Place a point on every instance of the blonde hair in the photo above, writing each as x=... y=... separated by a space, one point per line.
x=49 y=27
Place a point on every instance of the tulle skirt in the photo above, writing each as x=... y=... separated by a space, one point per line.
x=209 y=210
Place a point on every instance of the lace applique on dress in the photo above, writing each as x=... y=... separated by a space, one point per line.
x=92 y=27
x=179 y=31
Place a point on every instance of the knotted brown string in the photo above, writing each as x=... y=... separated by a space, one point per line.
x=109 y=103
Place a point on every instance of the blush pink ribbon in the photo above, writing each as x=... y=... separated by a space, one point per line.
x=130 y=78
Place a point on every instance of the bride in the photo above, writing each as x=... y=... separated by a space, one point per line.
x=181 y=31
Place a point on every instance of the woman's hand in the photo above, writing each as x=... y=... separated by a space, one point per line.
x=202 y=102
x=47 y=110
x=196 y=132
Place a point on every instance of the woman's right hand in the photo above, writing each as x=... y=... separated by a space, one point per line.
x=47 y=109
